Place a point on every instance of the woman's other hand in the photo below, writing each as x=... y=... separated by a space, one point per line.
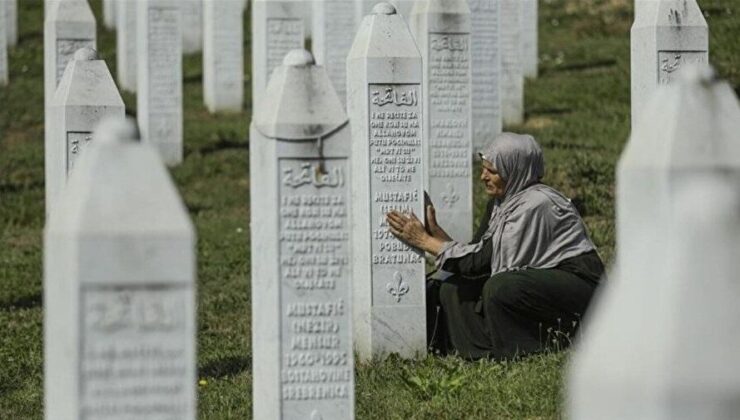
x=409 y=229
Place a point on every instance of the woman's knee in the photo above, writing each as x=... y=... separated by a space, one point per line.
x=447 y=294
x=505 y=289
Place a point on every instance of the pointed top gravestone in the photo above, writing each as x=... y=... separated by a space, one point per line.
x=223 y=55
x=119 y=288
x=384 y=102
x=3 y=49
x=512 y=72
x=334 y=25
x=652 y=348
x=442 y=30
x=666 y=36
x=301 y=291
x=126 y=56
x=192 y=23
x=530 y=31
x=109 y=13
x=86 y=95
x=486 y=70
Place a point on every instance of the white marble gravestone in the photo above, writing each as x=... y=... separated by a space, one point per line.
x=659 y=343
x=301 y=289
x=192 y=25
x=530 y=31
x=109 y=13
x=119 y=289
x=278 y=27
x=442 y=31
x=3 y=50
x=384 y=102
x=223 y=55
x=159 y=77
x=512 y=75
x=11 y=18
x=486 y=61
x=403 y=7
x=666 y=36
x=334 y=27
x=126 y=44
x=69 y=26
x=86 y=95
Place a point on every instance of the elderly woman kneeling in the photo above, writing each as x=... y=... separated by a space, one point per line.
x=525 y=280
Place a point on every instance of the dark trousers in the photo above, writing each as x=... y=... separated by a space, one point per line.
x=509 y=314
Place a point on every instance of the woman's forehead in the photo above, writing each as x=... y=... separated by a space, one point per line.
x=488 y=165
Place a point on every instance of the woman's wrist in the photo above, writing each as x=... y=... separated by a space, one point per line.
x=433 y=245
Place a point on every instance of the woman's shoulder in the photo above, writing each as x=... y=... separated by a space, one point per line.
x=540 y=195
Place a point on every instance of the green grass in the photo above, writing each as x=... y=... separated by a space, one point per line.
x=578 y=109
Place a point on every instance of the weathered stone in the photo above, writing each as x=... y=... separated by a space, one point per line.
x=126 y=45
x=159 y=79
x=119 y=288
x=403 y=7
x=301 y=280
x=3 y=50
x=109 y=13
x=384 y=101
x=442 y=30
x=11 y=17
x=192 y=25
x=223 y=55
x=657 y=345
x=486 y=60
x=277 y=28
x=86 y=95
x=666 y=36
x=335 y=24
x=529 y=38
x=512 y=76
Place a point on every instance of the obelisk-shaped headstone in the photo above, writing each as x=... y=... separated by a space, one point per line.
x=442 y=31
x=301 y=289
x=109 y=13
x=119 y=288
x=666 y=36
x=126 y=55
x=159 y=79
x=335 y=24
x=512 y=75
x=486 y=64
x=384 y=102
x=657 y=345
x=403 y=7
x=192 y=25
x=3 y=50
x=69 y=26
x=86 y=95
x=530 y=45
x=223 y=55
x=11 y=17
x=277 y=28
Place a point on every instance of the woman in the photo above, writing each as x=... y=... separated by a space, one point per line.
x=525 y=281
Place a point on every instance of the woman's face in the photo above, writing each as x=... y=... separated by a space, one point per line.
x=495 y=185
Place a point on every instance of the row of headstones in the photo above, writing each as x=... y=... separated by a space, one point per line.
x=8 y=35
x=659 y=342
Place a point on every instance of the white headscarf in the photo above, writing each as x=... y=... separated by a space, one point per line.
x=532 y=225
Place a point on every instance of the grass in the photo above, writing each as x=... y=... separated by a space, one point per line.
x=578 y=109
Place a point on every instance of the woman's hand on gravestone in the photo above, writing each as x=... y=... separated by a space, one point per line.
x=433 y=228
x=409 y=229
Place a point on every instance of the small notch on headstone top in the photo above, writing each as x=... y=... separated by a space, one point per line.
x=384 y=9
x=299 y=57
x=116 y=130
x=86 y=54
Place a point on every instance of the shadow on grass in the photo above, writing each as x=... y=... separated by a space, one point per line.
x=13 y=188
x=25 y=302
x=223 y=144
x=591 y=65
x=228 y=366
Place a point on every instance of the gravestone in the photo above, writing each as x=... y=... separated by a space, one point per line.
x=3 y=51
x=159 y=77
x=126 y=45
x=486 y=60
x=442 y=30
x=86 y=95
x=512 y=75
x=657 y=344
x=119 y=288
x=11 y=17
x=666 y=36
x=223 y=55
x=277 y=28
x=335 y=24
x=384 y=102
x=192 y=25
x=109 y=13
x=301 y=289
x=529 y=38
x=403 y=7
x=69 y=26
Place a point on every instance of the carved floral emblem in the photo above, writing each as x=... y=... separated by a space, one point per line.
x=397 y=288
